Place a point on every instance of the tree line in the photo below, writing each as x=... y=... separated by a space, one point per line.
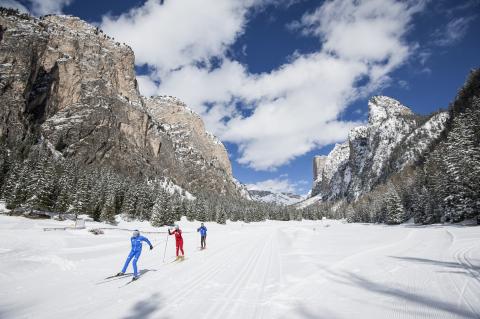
x=40 y=181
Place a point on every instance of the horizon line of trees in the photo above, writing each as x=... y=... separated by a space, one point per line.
x=38 y=181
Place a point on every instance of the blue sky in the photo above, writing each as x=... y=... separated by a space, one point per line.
x=280 y=81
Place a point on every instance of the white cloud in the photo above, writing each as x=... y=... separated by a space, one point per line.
x=454 y=31
x=178 y=33
x=38 y=7
x=277 y=185
x=288 y=111
x=42 y=7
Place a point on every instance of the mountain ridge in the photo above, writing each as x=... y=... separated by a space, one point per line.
x=68 y=85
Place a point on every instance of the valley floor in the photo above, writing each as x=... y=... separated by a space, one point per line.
x=322 y=269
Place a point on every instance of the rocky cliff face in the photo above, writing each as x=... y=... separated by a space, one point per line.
x=393 y=138
x=64 y=83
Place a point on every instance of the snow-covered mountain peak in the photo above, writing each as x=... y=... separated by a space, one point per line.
x=279 y=198
x=371 y=151
x=384 y=107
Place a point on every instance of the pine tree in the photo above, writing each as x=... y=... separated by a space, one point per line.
x=108 y=210
x=395 y=213
x=221 y=217
x=43 y=194
x=11 y=181
x=162 y=212
x=178 y=208
x=19 y=193
x=158 y=216
x=66 y=185
x=82 y=196
x=129 y=204
x=200 y=209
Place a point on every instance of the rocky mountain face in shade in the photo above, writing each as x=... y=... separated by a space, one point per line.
x=66 y=84
x=393 y=138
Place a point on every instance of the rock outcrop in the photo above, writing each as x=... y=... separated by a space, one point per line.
x=65 y=83
x=393 y=138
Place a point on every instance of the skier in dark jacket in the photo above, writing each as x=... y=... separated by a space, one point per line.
x=203 y=236
x=178 y=240
x=135 y=253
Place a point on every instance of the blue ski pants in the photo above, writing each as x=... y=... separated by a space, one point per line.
x=135 y=255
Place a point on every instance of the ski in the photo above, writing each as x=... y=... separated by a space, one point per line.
x=133 y=279
x=117 y=276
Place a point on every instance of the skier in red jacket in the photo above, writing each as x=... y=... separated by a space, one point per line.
x=178 y=240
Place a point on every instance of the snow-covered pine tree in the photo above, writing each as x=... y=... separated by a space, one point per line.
x=221 y=217
x=162 y=212
x=129 y=203
x=167 y=207
x=5 y=165
x=157 y=219
x=11 y=181
x=108 y=210
x=20 y=194
x=395 y=213
x=43 y=195
x=82 y=196
x=177 y=206
x=200 y=209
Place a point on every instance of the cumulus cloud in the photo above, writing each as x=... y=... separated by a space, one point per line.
x=274 y=116
x=37 y=7
x=172 y=34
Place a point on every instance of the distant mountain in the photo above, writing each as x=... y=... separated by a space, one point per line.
x=393 y=138
x=402 y=166
x=274 y=197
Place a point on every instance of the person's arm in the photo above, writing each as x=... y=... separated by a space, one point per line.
x=145 y=239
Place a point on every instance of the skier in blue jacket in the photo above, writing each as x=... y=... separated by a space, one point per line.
x=135 y=253
x=203 y=236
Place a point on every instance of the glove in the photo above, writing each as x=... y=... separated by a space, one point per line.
x=151 y=247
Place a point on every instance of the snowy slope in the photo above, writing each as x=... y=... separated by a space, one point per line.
x=258 y=270
x=275 y=197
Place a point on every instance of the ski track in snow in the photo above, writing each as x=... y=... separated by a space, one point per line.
x=257 y=270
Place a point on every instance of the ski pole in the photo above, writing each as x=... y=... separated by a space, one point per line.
x=165 y=251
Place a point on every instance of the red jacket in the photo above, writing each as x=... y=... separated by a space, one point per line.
x=177 y=233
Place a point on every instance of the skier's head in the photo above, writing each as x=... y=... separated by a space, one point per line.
x=136 y=233
x=177 y=227
x=201 y=224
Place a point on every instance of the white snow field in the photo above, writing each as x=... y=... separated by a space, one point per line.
x=258 y=270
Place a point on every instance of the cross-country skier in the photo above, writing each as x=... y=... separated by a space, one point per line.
x=178 y=240
x=135 y=253
x=203 y=236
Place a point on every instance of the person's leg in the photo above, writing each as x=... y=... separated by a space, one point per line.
x=181 y=248
x=205 y=241
x=178 y=246
x=130 y=256
x=134 y=263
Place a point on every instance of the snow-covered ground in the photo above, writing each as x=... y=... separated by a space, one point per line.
x=259 y=270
